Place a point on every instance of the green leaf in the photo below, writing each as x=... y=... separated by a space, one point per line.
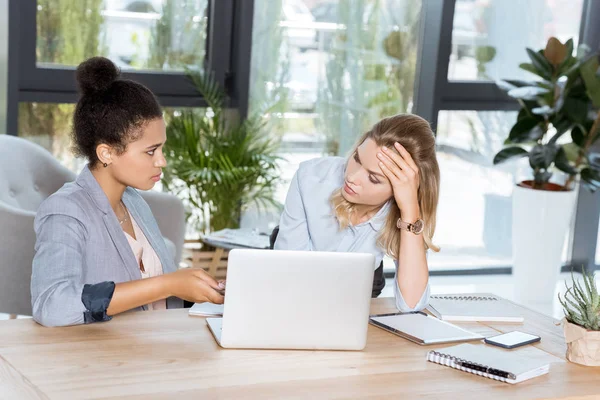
x=544 y=110
x=562 y=162
x=591 y=176
x=217 y=163
x=530 y=68
x=577 y=307
x=519 y=83
x=528 y=92
x=504 y=85
x=578 y=135
x=569 y=45
x=589 y=70
x=571 y=151
x=576 y=109
x=569 y=59
x=508 y=153
x=525 y=130
x=485 y=54
x=561 y=124
x=542 y=156
x=541 y=176
x=209 y=88
x=566 y=66
x=540 y=63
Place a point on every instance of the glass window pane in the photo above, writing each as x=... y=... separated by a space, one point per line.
x=135 y=34
x=329 y=69
x=489 y=37
x=474 y=221
x=49 y=125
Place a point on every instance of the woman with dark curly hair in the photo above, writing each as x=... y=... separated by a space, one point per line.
x=99 y=251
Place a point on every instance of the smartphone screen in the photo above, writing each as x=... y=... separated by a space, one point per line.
x=512 y=339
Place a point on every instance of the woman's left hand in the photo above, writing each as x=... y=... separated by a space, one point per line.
x=403 y=174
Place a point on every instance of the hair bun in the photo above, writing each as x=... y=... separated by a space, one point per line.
x=96 y=74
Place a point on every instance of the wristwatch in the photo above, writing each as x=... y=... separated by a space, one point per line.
x=416 y=227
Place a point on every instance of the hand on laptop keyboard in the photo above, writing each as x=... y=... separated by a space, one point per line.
x=195 y=285
x=222 y=287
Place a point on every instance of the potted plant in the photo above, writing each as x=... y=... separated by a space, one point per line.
x=564 y=99
x=581 y=305
x=217 y=164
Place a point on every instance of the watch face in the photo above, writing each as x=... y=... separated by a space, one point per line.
x=418 y=226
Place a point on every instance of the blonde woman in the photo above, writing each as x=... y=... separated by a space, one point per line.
x=381 y=200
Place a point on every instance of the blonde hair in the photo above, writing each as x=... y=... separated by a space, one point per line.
x=415 y=134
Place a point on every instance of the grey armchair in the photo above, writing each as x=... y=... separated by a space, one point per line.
x=29 y=174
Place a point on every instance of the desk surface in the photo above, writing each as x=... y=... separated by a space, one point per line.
x=168 y=354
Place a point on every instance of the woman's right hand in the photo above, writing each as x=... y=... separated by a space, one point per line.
x=195 y=285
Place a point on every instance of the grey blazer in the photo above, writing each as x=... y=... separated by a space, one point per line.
x=80 y=241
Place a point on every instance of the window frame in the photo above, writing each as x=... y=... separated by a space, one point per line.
x=227 y=55
x=440 y=94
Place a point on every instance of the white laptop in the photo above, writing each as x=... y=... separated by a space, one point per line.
x=278 y=299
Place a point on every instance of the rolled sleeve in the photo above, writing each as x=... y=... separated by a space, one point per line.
x=293 y=229
x=401 y=303
x=59 y=295
x=96 y=299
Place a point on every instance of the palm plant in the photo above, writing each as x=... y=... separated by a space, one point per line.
x=581 y=302
x=217 y=165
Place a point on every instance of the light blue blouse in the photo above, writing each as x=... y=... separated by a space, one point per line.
x=308 y=222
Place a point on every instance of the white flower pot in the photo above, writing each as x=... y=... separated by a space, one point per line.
x=540 y=221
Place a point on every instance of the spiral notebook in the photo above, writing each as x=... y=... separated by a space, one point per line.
x=474 y=307
x=510 y=366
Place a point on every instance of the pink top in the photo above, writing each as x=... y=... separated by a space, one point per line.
x=144 y=253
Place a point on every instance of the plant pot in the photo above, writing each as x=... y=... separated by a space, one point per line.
x=583 y=346
x=540 y=221
x=497 y=224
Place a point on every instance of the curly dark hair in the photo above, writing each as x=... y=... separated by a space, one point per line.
x=110 y=110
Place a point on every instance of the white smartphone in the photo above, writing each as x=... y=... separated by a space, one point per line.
x=512 y=339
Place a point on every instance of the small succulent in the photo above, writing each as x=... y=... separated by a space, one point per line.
x=581 y=302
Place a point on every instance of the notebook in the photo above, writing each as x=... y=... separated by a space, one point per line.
x=474 y=307
x=510 y=366
x=206 y=310
x=422 y=328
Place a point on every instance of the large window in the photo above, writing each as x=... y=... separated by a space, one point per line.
x=321 y=72
x=49 y=125
x=152 y=41
x=489 y=37
x=485 y=41
x=474 y=222
x=474 y=212
x=331 y=69
x=135 y=34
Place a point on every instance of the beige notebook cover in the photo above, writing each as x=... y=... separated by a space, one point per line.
x=510 y=366
x=473 y=307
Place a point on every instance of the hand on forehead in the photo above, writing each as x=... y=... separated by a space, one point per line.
x=368 y=155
